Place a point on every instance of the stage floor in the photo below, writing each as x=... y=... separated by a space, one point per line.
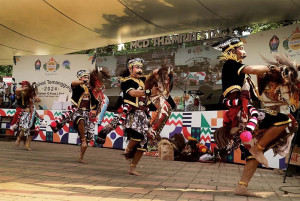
x=50 y=172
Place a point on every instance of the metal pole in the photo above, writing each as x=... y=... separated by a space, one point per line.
x=292 y=147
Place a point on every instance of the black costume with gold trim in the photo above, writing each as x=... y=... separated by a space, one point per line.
x=238 y=88
x=232 y=78
x=78 y=93
x=130 y=83
x=137 y=122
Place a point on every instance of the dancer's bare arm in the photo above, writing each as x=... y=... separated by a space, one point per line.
x=76 y=83
x=140 y=93
x=18 y=91
x=255 y=69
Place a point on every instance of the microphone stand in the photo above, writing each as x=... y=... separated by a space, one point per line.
x=184 y=92
x=297 y=117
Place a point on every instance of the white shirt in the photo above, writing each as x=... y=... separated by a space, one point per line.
x=3 y=87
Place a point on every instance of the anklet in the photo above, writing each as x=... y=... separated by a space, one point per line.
x=259 y=147
x=243 y=183
x=133 y=165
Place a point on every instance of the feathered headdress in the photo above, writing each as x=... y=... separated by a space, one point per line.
x=226 y=46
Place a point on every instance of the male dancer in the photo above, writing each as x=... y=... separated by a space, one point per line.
x=136 y=106
x=237 y=87
x=86 y=103
x=25 y=112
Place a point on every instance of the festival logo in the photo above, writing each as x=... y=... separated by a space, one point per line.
x=51 y=66
x=197 y=50
x=67 y=65
x=274 y=43
x=293 y=42
x=37 y=65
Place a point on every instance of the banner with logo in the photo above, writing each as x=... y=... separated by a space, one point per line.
x=198 y=70
x=284 y=40
x=53 y=74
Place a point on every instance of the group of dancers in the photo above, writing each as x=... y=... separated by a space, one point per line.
x=245 y=126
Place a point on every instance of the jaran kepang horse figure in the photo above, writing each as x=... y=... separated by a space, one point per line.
x=279 y=92
x=96 y=84
x=163 y=101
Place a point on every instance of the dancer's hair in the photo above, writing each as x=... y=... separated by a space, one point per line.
x=99 y=74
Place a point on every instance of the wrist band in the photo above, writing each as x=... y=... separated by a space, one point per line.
x=148 y=92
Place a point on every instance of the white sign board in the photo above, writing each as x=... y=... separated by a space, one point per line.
x=53 y=74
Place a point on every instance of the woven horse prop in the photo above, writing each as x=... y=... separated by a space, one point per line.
x=277 y=88
x=96 y=84
x=163 y=102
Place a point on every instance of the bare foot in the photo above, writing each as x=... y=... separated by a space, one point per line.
x=28 y=148
x=243 y=191
x=259 y=155
x=80 y=160
x=18 y=142
x=134 y=173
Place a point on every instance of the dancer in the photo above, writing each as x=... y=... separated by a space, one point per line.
x=237 y=87
x=26 y=113
x=21 y=102
x=136 y=107
x=163 y=102
x=86 y=97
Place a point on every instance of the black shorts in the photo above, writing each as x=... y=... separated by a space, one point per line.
x=136 y=136
x=274 y=120
x=269 y=121
x=246 y=155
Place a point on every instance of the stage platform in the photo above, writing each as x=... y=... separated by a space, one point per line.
x=198 y=124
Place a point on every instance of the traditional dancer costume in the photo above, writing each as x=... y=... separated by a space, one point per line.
x=240 y=127
x=135 y=114
x=239 y=91
x=25 y=114
x=84 y=101
x=137 y=118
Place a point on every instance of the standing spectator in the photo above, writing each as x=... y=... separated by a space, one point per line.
x=3 y=91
